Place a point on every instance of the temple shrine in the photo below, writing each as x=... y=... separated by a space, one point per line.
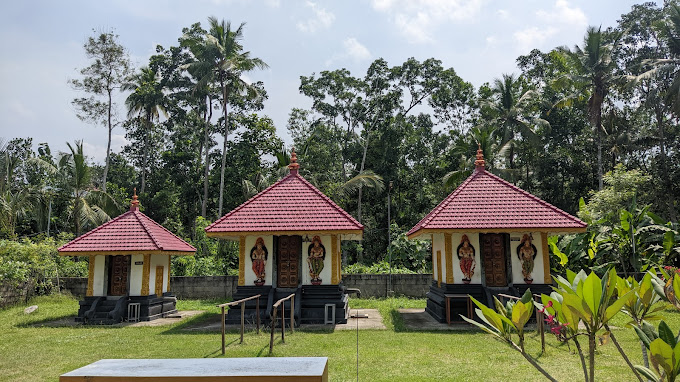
x=129 y=268
x=289 y=239
x=489 y=237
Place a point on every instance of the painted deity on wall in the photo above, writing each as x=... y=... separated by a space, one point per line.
x=466 y=256
x=527 y=254
x=316 y=254
x=258 y=255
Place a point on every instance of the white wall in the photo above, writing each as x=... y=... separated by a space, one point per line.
x=136 y=272
x=457 y=273
x=249 y=274
x=99 y=282
x=538 y=273
x=438 y=245
x=327 y=264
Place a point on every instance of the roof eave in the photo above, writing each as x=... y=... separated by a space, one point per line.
x=132 y=252
x=549 y=230
x=234 y=235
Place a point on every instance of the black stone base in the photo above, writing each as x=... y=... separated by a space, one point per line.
x=310 y=302
x=436 y=304
x=151 y=307
x=315 y=298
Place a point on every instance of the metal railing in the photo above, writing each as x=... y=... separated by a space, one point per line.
x=242 y=302
x=275 y=309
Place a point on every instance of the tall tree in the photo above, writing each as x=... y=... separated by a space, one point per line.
x=109 y=68
x=510 y=112
x=592 y=74
x=147 y=102
x=230 y=62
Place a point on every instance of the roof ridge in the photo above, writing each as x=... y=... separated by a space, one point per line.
x=253 y=198
x=330 y=201
x=536 y=198
x=146 y=229
x=88 y=233
x=447 y=200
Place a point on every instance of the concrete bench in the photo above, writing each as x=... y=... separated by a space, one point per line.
x=203 y=369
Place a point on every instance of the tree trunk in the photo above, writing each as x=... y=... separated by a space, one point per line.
x=600 y=184
x=108 y=146
x=670 y=202
x=225 y=94
x=206 y=170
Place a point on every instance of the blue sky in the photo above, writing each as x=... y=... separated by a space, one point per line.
x=42 y=46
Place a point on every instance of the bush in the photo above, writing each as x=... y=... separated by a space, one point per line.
x=380 y=268
x=37 y=260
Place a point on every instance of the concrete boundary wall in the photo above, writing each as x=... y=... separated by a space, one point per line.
x=200 y=287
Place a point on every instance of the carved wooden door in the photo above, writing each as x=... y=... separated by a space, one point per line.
x=288 y=264
x=493 y=254
x=118 y=275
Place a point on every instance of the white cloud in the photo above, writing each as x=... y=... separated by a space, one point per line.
x=97 y=153
x=503 y=14
x=563 y=14
x=532 y=37
x=322 y=19
x=21 y=110
x=273 y=3
x=491 y=40
x=355 y=49
x=417 y=19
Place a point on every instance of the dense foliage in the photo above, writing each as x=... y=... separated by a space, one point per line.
x=597 y=122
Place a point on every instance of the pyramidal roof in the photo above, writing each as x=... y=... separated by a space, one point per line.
x=485 y=202
x=130 y=233
x=292 y=205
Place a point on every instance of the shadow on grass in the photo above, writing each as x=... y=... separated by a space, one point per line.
x=198 y=324
x=66 y=320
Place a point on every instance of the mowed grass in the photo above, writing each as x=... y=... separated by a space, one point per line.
x=41 y=353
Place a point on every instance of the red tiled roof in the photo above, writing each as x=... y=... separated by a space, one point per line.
x=130 y=232
x=485 y=201
x=291 y=204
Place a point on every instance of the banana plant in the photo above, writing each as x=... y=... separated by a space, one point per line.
x=664 y=352
x=589 y=299
x=506 y=320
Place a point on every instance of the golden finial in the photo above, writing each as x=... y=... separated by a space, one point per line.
x=294 y=165
x=480 y=163
x=134 y=204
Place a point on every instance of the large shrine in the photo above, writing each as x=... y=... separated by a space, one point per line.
x=489 y=237
x=129 y=268
x=289 y=239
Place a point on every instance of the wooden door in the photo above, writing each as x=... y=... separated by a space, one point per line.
x=288 y=264
x=118 y=275
x=159 y=280
x=493 y=255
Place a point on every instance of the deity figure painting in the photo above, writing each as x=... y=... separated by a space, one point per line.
x=527 y=253
x=258 y=255
x=466 y=256
x=315 y=257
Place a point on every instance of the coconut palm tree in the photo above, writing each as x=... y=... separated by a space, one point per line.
x=88 y=206
x=591 y=75
x=230 y=62
x=511 y=114
x=146 y=102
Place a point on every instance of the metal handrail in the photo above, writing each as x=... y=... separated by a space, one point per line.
x=275 y=308
x=242 y=302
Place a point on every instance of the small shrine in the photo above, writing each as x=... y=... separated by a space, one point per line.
x=289 y=242
x=129 y=268
x=489 y=237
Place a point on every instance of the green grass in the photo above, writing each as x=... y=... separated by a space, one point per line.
x=41 y=353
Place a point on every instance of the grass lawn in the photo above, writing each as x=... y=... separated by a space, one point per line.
x=34 y=353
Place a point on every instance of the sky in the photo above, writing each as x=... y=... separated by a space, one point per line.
x=42 y=46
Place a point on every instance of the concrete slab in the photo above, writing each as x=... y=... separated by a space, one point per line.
x=373 y=320
x=172 y=319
